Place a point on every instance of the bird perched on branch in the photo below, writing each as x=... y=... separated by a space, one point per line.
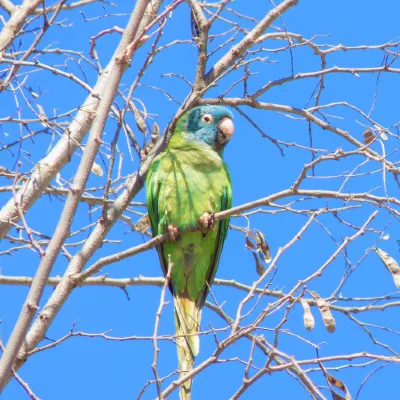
x=186 y=185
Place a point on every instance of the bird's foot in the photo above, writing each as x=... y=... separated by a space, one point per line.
x=207 y=222
x=173 y=232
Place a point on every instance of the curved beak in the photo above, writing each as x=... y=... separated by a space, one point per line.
x=226 y=127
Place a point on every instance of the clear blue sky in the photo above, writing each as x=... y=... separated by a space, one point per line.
x=84 y=368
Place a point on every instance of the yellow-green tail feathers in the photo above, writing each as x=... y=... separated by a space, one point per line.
x=187 y=322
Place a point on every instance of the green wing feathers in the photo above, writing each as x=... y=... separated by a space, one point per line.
x=223 y=225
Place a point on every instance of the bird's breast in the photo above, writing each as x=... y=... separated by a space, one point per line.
x=188 y=190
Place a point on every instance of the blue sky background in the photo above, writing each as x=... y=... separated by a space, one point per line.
x=85 y=368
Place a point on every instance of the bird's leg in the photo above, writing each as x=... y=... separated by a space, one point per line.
x=207 y=222
x=173 y=232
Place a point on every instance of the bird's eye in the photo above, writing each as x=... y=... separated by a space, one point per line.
x=207 y=118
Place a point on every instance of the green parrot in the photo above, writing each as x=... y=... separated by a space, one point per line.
x=186 y=185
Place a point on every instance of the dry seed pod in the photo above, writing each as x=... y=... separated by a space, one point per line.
x=143 y=224
x=259 y=267
x=140 y=122
x=325 y=311
x=336 y=396
x=97 y=170
x=308 y=318
x=31 y=91
x=391 y=265
x=381 y=132
x=155 y=135
x=383 y=136
x=337 y=383
x=263 y=246
x=42 y=114
x=249 y=244
x=368 y=136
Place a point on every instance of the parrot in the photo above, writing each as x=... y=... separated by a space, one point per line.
x=185 y=186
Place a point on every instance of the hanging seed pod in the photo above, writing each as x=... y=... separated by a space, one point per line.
x=368 y=136
x=249 y=243
x=143 y=224
x=42 y=115
x=327 y=317
x=259 y=267
x=336 y=383
x=263 y=246
x=155 y=135
x=390 y=264
x=97 y=170
x=140 y=122
x=308 y=318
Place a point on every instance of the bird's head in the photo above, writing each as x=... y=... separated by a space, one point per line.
x=210 y=124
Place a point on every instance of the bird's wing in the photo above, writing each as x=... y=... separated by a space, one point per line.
x=153 y=188
x=226 y=204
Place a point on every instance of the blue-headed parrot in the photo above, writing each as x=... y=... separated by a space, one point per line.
x=186 y=185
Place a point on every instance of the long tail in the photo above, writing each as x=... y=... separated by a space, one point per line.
x=187 y=323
